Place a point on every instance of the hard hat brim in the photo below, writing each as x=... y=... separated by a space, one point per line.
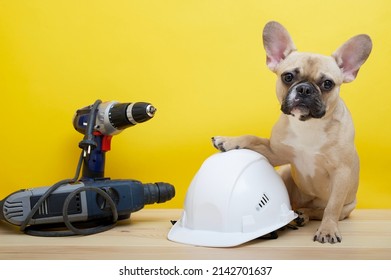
x=181 y=234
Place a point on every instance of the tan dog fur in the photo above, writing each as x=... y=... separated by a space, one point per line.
x=321 y=165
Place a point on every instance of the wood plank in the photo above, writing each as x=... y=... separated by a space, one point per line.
x=366 y=235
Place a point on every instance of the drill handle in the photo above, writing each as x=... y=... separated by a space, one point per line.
x=94 y=162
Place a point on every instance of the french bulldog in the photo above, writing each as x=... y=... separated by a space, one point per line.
x=313 y=139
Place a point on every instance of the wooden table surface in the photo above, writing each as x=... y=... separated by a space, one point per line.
x=366 y=235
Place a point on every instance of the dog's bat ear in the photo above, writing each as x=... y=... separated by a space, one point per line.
x=278 y=44
x=351 y=55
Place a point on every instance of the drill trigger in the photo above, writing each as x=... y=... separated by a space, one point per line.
x=106 y=143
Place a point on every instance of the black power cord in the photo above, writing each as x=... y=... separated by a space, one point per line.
x=93 y=230
x=87 y=144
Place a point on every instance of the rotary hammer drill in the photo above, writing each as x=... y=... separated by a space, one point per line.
x=93 y=202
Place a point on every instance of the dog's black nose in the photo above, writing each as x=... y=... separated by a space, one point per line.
x=305 y=89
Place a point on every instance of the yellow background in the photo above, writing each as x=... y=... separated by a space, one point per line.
x=201 y=63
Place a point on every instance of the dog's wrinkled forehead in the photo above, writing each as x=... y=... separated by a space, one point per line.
x=311 y=67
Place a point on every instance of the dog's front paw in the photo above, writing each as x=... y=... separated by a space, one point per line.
x=328 y=233
x=225 y=143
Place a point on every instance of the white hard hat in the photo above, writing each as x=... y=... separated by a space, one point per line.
x=235 y=197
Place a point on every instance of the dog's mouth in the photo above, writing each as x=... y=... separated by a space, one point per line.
x=303 y=111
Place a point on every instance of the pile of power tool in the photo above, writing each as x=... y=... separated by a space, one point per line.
x=90 y=203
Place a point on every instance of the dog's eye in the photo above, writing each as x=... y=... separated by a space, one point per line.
x=327 y=85
x=287 y=77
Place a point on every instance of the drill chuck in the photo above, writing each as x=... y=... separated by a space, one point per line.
x=158 y=192
x=123 y=115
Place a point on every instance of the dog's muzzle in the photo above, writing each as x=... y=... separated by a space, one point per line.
x=304 y=101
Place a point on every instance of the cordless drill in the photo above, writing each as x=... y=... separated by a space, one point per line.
x=93 y=198
x=111 y=119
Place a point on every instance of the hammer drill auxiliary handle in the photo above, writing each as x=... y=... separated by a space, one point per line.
x=94 y=203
